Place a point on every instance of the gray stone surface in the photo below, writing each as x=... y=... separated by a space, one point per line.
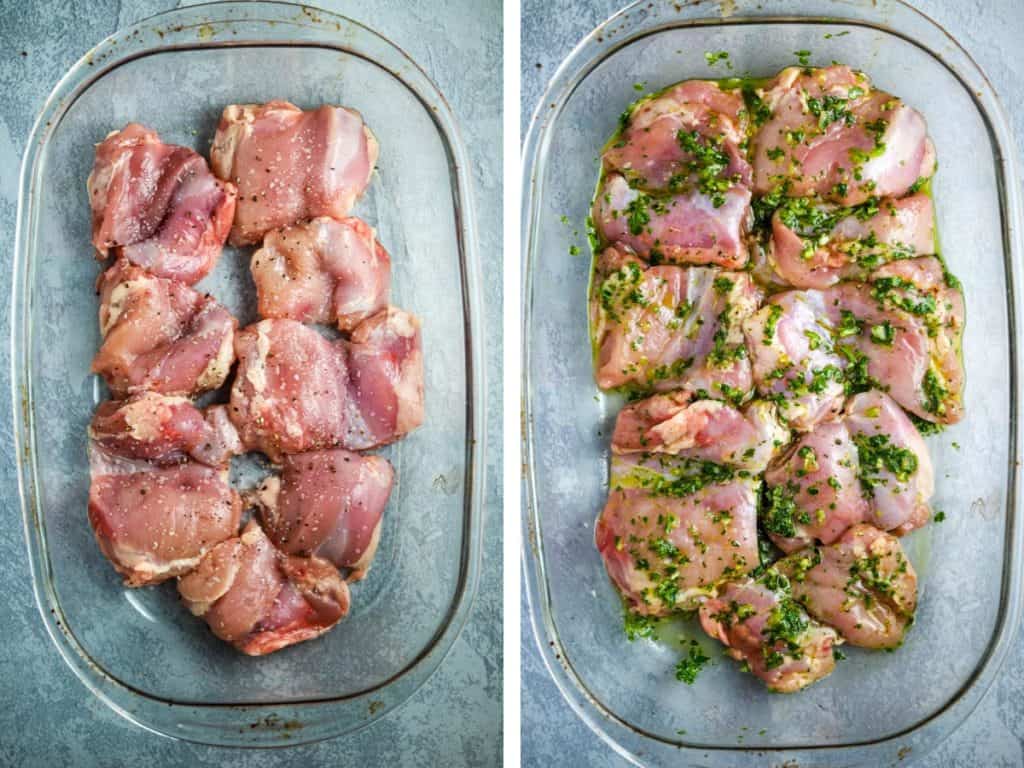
x=47 y=717
x=994 y=734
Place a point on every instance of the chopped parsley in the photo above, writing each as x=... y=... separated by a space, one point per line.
x=690 y=665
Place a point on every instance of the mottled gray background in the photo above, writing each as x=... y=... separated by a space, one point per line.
x=47 y=717
x=993 y=736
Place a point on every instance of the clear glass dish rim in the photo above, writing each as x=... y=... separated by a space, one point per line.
x=641 y=19
x=217 y=25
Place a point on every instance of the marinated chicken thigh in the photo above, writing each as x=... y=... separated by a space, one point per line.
x=289 y=164
x=673 y=528
x=688 y=227
x=764 y=627
x=709 y=430
x=871 y=466
x=691 y=134
x=817 y=245
x=261 y=600
x=323 y=271
x=830 y=133
x=164 y=429
x=157 y=205
x=664 y=328
x=159 y=335
x=863 y=585
x=329 y=504
x=296 y=391
x=155 y=522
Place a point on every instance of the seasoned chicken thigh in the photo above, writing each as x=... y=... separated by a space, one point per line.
x=688 y=227
x=160 y=335
x=815 y=245
x=831 y=134
x=327 y=503
x=871 y=466
x=155 y=522
x=296 y=391
x=157 y=205
x=290 y=164
x=164 y=429
x=763 y=626
x=708 y=430
x=664 y=328
x=323 y=271
x=260 y=600
x=673 y=528
x=651 y=154
x=863 y=585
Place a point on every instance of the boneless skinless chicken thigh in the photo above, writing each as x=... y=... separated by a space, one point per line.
x=160 y=335
x=289 y=164
x=322 y=271
x=297 y=391
x=157 y=205
x=327 y=503
x=788 y=415
x=261 y=600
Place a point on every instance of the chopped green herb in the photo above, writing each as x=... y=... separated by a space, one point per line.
x=690 y=665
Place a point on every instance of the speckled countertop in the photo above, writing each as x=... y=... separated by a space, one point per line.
x=48 y=718
x=993 y=736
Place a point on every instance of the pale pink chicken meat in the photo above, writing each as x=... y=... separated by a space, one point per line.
x=762 y=625
x=290 y=165
x=793 y=359
x=158 y=205
x=156 y=522
x=685 y=228
x=813 y=493
x=854 y=242
x=870 y=466
x=260 y=600
x=669 y=327
x=831 y=134
x=709 y=430
x=164 y=429
x=649 y=152
x=323 y=271
x=329 y=504
x=665 y=545
x=296 y=391
x=863 y=585
x=160 y=335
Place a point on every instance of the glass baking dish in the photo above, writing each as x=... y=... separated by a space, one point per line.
x=139 y=650
x=876 y=709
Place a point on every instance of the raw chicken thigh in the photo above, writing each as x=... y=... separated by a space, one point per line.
x=322 y=271
x=817 y=245
x=261 y=600
x=296 y=391
x=155 y=522
x=831 y=134
x=688 y=227
x=165 y=429
x=157 y=205
x=871 y=466
x=672 y=528
x=651 y=154
x=160 y=335
x=327 y=503
x=709 y=430
x=665 y=328
x=762 y=625
x=863 y=585
x=289 y=164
